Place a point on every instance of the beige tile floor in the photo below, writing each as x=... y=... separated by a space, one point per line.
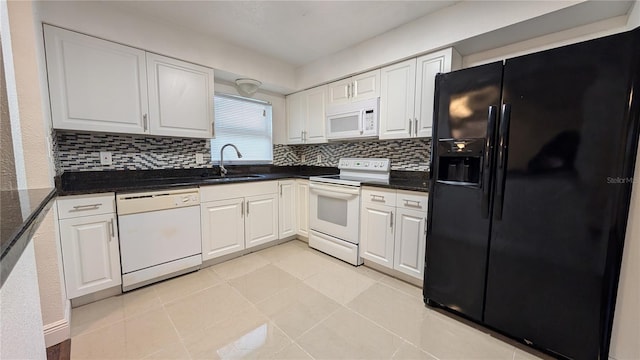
x=285 y=302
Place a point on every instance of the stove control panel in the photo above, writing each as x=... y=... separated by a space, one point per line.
x=367 y=164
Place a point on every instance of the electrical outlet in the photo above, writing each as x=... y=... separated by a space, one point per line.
x=319 y=158
x=199 y=158
x=105 y=158
x=303 y=158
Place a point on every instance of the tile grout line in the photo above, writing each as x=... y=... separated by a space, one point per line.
x=175 y=328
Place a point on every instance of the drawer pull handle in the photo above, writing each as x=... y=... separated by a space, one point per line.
x=86 y=207
x=377 y=198
x=412 y=203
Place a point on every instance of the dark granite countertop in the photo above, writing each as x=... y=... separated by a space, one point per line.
x=21 y=212
x=405 y=180
x=85 y=182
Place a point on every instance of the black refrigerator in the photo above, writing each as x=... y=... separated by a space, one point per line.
x=532 y=165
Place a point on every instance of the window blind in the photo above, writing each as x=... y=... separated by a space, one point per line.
x=246 y=123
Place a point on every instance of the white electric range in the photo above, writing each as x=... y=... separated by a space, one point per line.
x=334 y=206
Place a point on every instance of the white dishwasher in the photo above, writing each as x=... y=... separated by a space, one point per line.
x=159 y=235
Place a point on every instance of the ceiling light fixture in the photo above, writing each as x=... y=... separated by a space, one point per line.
x=247 y=87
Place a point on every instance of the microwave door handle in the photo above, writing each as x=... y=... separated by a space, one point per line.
x=361 y=122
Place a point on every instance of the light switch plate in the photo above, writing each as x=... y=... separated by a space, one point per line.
x=199 y=158
x=105 y=158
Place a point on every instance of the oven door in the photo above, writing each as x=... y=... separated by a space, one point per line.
x=335 y=210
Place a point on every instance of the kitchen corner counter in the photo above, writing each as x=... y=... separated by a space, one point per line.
x=85 y=182
x=21 y=212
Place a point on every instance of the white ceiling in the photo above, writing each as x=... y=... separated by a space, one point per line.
x=296 y=32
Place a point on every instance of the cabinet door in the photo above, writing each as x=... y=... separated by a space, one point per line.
x=397 y=100
x=287 y=208
x=95 y=85
x=222 y=227
x=261 y=222
x=376 y=233
x=427 y=68
x=91 y=254
x=366 y=86
x=180 y=98
x=411 y=239
x=340 y=92
x=302 y=208
x=315 y=111
x=296 y=117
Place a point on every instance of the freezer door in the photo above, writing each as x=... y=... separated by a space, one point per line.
x=566 y=138
x=458 y=220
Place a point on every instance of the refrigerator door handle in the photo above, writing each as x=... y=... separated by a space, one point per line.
x=503 y=141
x=488 y=156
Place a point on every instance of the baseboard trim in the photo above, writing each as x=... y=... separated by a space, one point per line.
x=58 y=331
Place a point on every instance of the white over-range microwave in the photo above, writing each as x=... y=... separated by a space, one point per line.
x=358 y=119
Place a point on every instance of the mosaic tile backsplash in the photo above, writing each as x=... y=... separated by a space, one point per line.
x=76 y=151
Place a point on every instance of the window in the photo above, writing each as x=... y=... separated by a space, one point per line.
x=245 y=123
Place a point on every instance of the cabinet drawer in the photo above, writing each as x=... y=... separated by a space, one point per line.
x=85 y=205
x=411 y=200
x=378 y=196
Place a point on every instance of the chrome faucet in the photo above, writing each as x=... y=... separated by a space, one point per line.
x=223 y=171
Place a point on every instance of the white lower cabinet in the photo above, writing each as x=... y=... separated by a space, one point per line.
x=261 y=222
x=410 y=236
x=302 y=207
x=393 y=229
x=89 y=243
x=376 y=226
x=222 y=227
x=238 y=216
x=287 y=208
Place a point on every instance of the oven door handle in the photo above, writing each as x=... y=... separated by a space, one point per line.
x=335 y=191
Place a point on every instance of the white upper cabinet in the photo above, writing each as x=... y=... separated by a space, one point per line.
x=98 y=85
x=407 y=94
x=316 y=100
x=397 y=99
x=306 y=116
x=180 y=98
x=95 y=85
x=296 y=117
x=360 y=87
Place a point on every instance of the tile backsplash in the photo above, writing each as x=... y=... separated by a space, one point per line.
x=405 y=154
x=75 y=151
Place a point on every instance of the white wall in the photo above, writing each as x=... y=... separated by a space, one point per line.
x=35 y=149
x=56 y=309
x=277 y=102
x=432 y=32
x=20 y=321
x=581 y=33
x=34 y=144
x=105 y=20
